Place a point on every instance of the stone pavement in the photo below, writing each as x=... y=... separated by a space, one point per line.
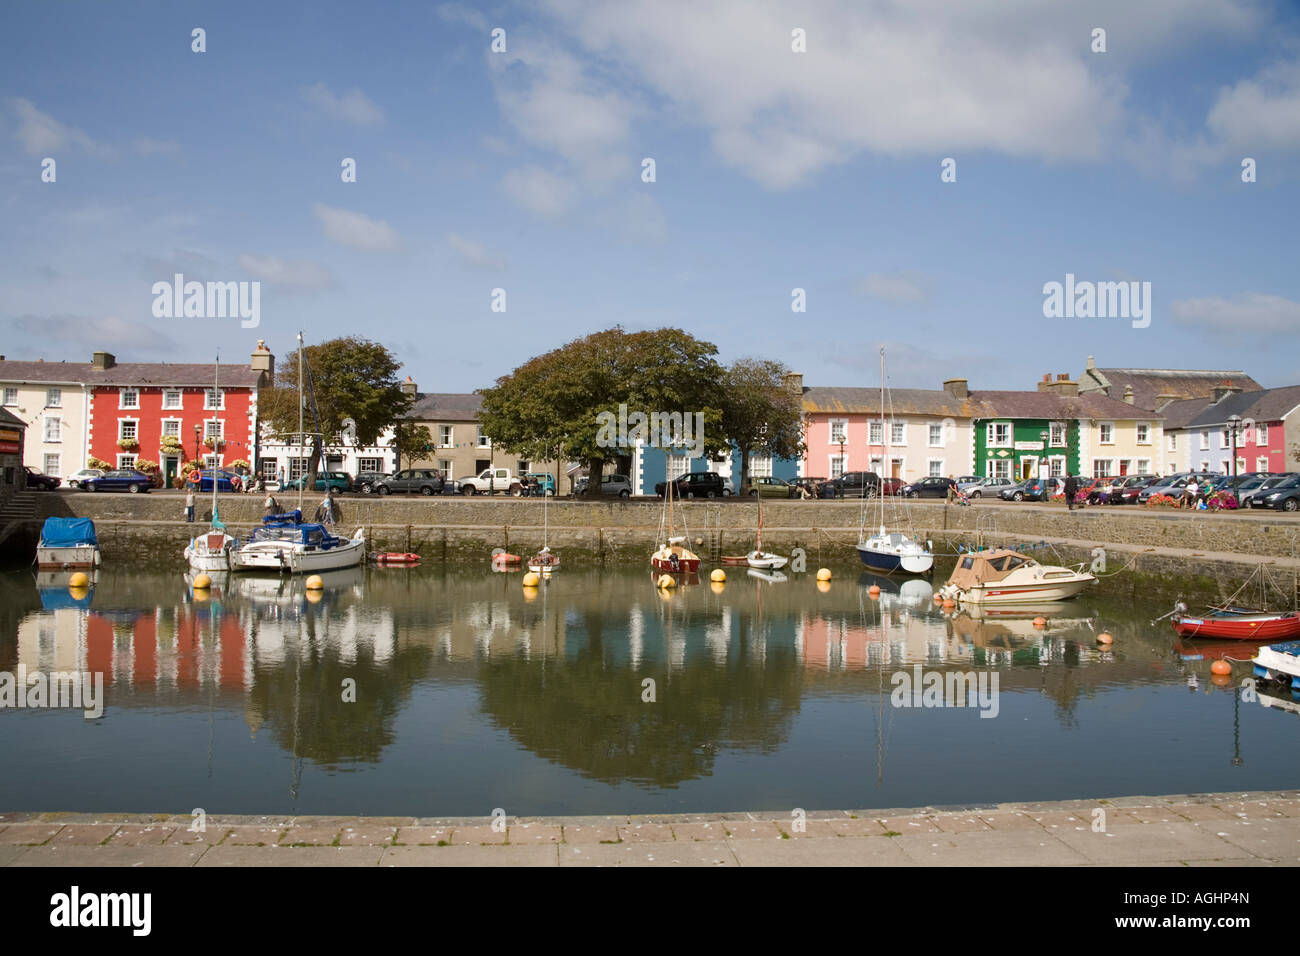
x=1225 y=829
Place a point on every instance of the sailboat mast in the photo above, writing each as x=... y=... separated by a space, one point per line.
x=302 y=477
x=884 y=428
x=216 y=399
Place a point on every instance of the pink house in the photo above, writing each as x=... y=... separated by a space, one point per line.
x=1262 y=425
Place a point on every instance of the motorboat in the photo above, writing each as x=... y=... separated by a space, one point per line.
x=1279 y=662
x=66 y=544
x=1240 y=625
x=1002 y=576
x=286 y=543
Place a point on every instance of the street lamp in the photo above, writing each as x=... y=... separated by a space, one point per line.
x=1044 y=435
x=1235 y=422
x=197 y=431
x=842 y=463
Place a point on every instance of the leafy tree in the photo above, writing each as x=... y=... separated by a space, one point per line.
x=410 y=441
x=349 y=378
x=760 y=412
x=550 y=404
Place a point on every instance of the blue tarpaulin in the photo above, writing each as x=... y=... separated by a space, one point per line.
x=58 y=599
x=67 y=532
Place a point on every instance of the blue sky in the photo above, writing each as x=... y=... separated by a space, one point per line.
x=774 y=170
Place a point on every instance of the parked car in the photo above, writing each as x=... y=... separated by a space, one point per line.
x=1284 y=496
x=226 y=480
x=812 y=484
x=1126 y=490
x=853 y=484
x=1174 y=484
x=491 y=480
x=338 y=480
x=74 y=481
x=618 y=486
x=984 y=486
x=892 y=486
x=37 y=480
x=1248 y=490
x=697 y=484
x=123 y=479
x=931 y=487
x=411 y=481
x=1042 y=489
x=365 y=481
x=540 y=482
x=765 y=486
x=1015 y=492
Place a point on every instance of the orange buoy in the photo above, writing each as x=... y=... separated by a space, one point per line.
x=874 y=590
x=1220 y=667
x=1040 y=622
x=1105 y=638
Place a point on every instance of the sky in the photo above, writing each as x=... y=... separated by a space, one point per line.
x=775 y=169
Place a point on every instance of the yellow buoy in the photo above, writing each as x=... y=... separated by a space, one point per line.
x=532 y=579
x=313 y=597
x=717 y=587
x=1220 y=667
x=314 y=583
x=79 y=580
x=666 y=582
x=1040 y=622
x=874 y=590
x=1105 y=638
x=530 y=594
x=202 y=582
x=824 y=587
x=78 y=593
x=717 y=574
x=823 y=574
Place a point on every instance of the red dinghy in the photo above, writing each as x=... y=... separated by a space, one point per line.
x=1260 y=626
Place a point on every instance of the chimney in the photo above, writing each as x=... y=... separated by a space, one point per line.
x=1163 y=399
x=1128 y=394
x=1046 y=384
x=1092 y=364
x=409 y=388
x=263 y=361
x=103 y=360
x=794 y=382
x=1223 y=391
x=956 y=387
x=1062 y=386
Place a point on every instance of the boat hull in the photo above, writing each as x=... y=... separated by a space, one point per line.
x=1032 y=593
x=1279 y=662
x=277 y=556
x=766 y=561
x=892 y=561
x=67 y=559
x=686 y=565
x=210 y=552
x=1240 y=627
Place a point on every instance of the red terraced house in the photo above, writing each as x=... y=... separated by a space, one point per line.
x=134 y=406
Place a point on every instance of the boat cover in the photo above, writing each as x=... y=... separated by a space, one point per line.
x=59 y=599
x=985 y=567
x=288 y=517
x=67 y=532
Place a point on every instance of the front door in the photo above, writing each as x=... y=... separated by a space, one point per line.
x=1027 y=468
x=171 y=464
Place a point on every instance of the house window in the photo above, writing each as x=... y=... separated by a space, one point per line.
x=211 y=460
x=52 y=464
x=11 y=396
x=1000 y=468
x=54 y=398
x=1144 y=433
x=760 y=466
x=1056 y=467
x=1107 y=433
x=367 y=464
x=1173 y=441
x=483 y=440
x=128 y=398
x=171 y=398
x=1241 y=466
x=297 y=468
x=877 y=465
x=898 y=433
x=1261 y=463
x=1144 y=466
x=1225 y=440
x=837 y=465
x=1261 y=434
x=1205 y=441
x=1101 y=467
x=998 y=434
x=270 y=466
x=936 y=436
x=444 y=466
x=839 y=430
x=676 y=465
x=125 y=459
x=127 y=429
x=1225 y=466
x=53 y=428
x=876 y=433
x=171 y=428
x=935 y=467
x=1057 y=436
x=214 y=399
x=214 y=428
x=444 y=436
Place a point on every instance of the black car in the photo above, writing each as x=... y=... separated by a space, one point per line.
x=931 y=487
x=698 y=484
x=412 y=481
x=851 y=484
x=1016 y=492
x=1284 y=496
x=36 y=480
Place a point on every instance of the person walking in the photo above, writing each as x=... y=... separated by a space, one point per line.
x=189 y=506
x=279 y=476
x=326 y=512
x=1071 y=487
x=271 y=506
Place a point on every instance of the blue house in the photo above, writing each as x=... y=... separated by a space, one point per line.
x=650 y=465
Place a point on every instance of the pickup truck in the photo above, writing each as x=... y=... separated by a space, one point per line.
x=492 y=480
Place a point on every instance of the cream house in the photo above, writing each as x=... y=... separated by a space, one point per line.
x=54 y=404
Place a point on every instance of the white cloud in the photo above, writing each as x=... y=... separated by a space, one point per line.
x=475 y=254
x=354 y=107
x=83 y=332
x=356 y=229
x=461 y=14
x=539 y=191
x=1252 y=312
x=898 y=288
x=1259 y=112
x=41 y=134
x=286 y=274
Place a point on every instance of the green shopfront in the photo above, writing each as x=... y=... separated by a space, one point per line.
x=1019 y=448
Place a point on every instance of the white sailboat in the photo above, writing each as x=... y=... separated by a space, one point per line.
x=287 y=544
x=891 y=551
x=758 y=558
x=211 y=551
x=546 y=560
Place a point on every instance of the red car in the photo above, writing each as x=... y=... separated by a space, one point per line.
x=891 y=486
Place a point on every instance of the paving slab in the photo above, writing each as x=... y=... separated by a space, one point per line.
x=523 y=855
x=129 y=856
x=825 y=851
x=699 y=832
x=742 y=830
x=709 y=853
x=1151 y=843
x=910 y=824
x=315 y=856
x=1277 y=838
x=646 y=833
x=366 y=833
x=244 y=835
x=423 y=835
x=134 y=834
x=28 y=834
x=526 y=833
x=84 y=834
x=478 y=835
x=1021 y=847
x=588 y=834
x=310 y=835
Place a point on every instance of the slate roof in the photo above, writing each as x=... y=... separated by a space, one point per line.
x=1262 y=405
x=1050 y=405
x=979 y=404
x=1148 y=383
x=866 y=401
x=9 y=418
x=127 y=373
x=446 y=407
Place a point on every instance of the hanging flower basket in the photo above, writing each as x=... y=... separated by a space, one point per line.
x=127 y=444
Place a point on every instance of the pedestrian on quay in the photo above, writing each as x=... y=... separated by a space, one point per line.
x=279 y=476
x=1190 y=491
x=271 y=506
x=189 y=506
x=1071 y=487
x=327 y=511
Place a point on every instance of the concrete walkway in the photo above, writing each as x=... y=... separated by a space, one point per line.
x=1227 y=829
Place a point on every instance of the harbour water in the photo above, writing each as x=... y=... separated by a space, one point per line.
x=432 y=692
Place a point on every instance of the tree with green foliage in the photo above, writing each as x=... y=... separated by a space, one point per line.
x=550 y=404
x=350 y=378
x=761 y=413
x=410 y=441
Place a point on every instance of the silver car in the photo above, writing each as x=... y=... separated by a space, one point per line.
x=984 y=486
x=74 y=481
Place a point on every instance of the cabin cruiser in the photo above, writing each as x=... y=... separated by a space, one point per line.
x=286 y=543
x=1002 y=576
x=894 y=551
x=67 y=543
